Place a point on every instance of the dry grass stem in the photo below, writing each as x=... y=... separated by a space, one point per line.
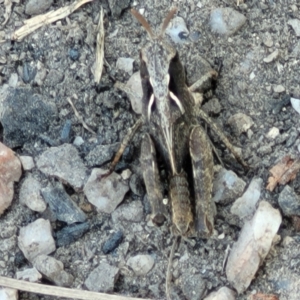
x=45 y=19
x=58 y=291
x=99 y=49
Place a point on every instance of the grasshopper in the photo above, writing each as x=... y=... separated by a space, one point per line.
x=171 y=115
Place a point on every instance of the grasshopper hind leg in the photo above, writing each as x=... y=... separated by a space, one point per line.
x=202 y=164
x=152 y=180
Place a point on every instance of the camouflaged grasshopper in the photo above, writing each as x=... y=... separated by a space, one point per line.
x=171 y=115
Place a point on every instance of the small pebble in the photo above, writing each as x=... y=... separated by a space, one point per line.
x=74 y=54
x=223 y=293
x=135 y=92
x=293 y=135
x=36 y=7
x=102 y=278
x=27 y=162
x=177 y=30
x=62 y=206
x=252 y=246
x=289 y=202
x=65 y=133
x=106 y=194
x=10 y=172
x=192 y=285
x=240 y=123
x=63 y=162
x=273 y=133
x=296 y=104
x=226 y=21
x=71 y=234
x=36 y=239
x=31 y=275
x=279 y=105
x=112 y=242
x=141 y=264
x=268 y=40
x=78 y=141
x=30 y=194
x=244 y=207
x=271 y=57
x=8 y=294
x=53 y=270
x=295 y=23
x=227 y=186
x=125 y=64
x=131 y=212
x=278 y=88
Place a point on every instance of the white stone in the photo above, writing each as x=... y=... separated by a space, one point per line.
x=78 y=141
x=296 y=104
x=295 y=23
x=134 y=92
x=278 y=88
x=273 y=133
x=177 y=30
x=53 y=270
x=8 y=294
x=36 y=238
x=30 y=194
x=141 y=264
x=244 y=206
x=226 y=21
x=31 y=275
x=272 y=56
x=252 y=247
x=125 y=64
x=227 y=186
x=27 y=162
x=224 y=293
x=106 y=194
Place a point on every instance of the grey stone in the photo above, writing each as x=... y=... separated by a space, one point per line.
x=102 y=278
x=64 y=163
x=193 y=286
x=23 y=115
x=62 y=205
x=245 y=205
x=30 y=194
x=35 y=7
x=223 y=293
x=27 y=162
x=132 y=212
x=31 y=275
x=296 y=104
x=101 y=154
x=36 y=239
x=8 y=294
x=117 y=6
x=271 y=57
x=53 y=270
x=141 y=264
x=54 y=77
x=177 y=30
x=227 y=186
x=135 y=92
x=295 y=23
x=289 y=202
x=135 y=184
x=106 y=194
x=213 y=106
x=226 y=21
x=125 y=64
x=240 y=123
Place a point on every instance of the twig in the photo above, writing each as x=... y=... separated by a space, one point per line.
x=169 y=275
x=80 y=118
x=45 y=19
x=58 y=291
x=99 y=49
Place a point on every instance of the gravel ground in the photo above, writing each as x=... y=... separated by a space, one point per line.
x=247 y=84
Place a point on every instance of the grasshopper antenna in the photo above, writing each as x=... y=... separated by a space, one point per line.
x=143 y=21
x=167 y=20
